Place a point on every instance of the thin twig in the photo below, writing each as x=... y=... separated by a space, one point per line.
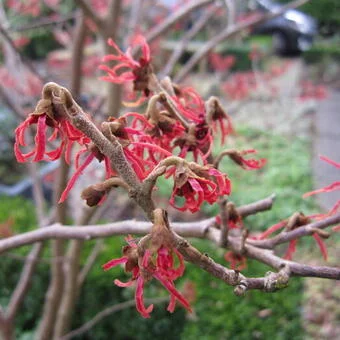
x=108 y=311
x=23 y=59
x=189 y=229
x=174 y=17
x=181 y=45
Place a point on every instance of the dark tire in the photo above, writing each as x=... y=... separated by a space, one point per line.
x=285 y=45
x=281 y=44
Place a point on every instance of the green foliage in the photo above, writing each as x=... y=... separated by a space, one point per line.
x=41 y=43
x=10 y=169
x=287 y=174
x=323 y=52
x=220 y=314
x=21 y=211
x=326 y=12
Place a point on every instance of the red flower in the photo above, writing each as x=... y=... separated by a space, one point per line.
x=300 y=221
x=158 y=264
x=61 y=128
x=237 y=262
x=127 y=68
x=332 y=187
x=220 y=63
x=247 y=164
x=198 y=185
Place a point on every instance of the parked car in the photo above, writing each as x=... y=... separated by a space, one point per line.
x=293 y=32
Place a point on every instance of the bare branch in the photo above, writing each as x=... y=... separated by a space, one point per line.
x=231 y=13
x=195 y=229
x=174 y=17
x=297 y=269
x=89 y=12
x=297 y=233
x=106 y=312
x=190 y=229
x=135 y=14
x=23 y=59
x=90 y=262
x=198 y=25
x=23 y=285
x=43 y=22
x=256 y=207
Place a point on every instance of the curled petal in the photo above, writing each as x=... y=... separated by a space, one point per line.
x=321 y=245
x=40 y=139
x=114 y=262
x=326 y=159
x=172 y=304
x=75 y=176
x=291 y=250
x=123 y=284
x=171 y=288
x=145 y=312
x=272 y=229
x=332 y=187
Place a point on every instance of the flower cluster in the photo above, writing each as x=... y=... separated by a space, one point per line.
x=197 y=184
x=45 y=117
x=154 y=257
x=295 y=221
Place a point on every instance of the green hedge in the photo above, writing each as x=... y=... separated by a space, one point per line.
x=321 y=52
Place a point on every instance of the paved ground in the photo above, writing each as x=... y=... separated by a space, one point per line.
x=327 y=143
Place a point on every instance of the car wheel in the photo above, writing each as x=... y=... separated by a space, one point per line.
x=280 y=43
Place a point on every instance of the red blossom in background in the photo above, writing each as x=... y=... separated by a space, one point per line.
x=247 y=164
x=128 y=69
x=220 y=63
x=237 y=262
x=332 y=187
x=30 y=7
x=240 y=85
x=312 y=91
x=300 y=220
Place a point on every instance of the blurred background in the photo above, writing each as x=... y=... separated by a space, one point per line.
x=278 y=79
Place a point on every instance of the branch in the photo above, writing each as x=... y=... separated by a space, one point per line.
x=107 y=144
x=57 y=231
x=98 y=247
x=136 y=11
x=42 y=22
x=23 y=59
x=297 y=233
x=256 y=207
x=108 y=311
x=24 y=282
x=174 y=17
x=297 y=269
x=199 y=24
x=89 y=13
x=270 y=283
x=231 y=12
x=228 y=32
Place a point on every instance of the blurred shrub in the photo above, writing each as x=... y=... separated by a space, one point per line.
x=322 y=51
x=326 y=12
